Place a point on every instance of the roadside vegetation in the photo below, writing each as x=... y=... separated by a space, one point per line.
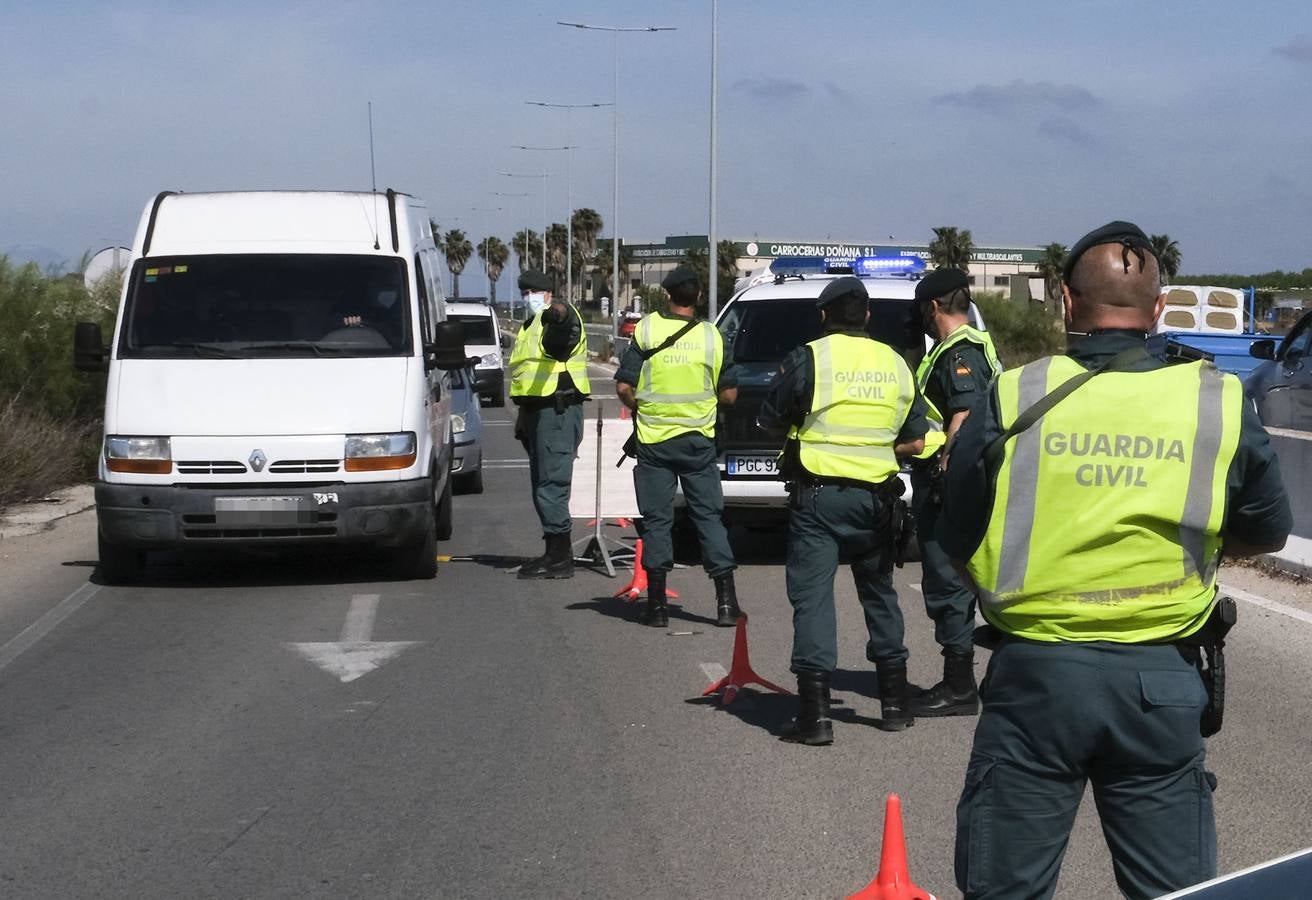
x=1022 y=332
x=49 y=414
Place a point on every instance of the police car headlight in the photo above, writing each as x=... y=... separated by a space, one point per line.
x=457 y=423
x=138 y=455
x=490 y=359
x=379 y=452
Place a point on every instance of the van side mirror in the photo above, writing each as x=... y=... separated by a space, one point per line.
x=447 y=352
x=89 y=350
x=1264 y=349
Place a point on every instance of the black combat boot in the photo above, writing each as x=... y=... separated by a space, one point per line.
x=812 y=725
x=956 y=694
x=556 y=562
x=655 y=615
x=727 y=610
x=894 y=702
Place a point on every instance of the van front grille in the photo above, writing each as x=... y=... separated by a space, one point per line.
x=211 y=467
x=304 y=466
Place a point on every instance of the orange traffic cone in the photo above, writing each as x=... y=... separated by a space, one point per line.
x=893 y=881
x=624 y=412
x=740 y=670
x=638 y=585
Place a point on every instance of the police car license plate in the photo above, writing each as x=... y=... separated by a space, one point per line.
x=751 y=465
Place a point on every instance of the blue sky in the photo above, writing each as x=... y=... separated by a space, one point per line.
x=1025 y=122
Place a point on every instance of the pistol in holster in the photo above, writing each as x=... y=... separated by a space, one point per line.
x=894 y=518
x=1206 y=650
x=933 y=473
x=630 y=448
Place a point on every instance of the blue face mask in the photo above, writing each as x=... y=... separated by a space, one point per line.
x=536 y=302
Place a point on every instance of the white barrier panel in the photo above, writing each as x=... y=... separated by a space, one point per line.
x=603 y=491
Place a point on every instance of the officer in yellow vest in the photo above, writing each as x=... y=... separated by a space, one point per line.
x=851 y=409
x=549 y=382
x=956 y=371
x=674 y=395
x=1091 y=498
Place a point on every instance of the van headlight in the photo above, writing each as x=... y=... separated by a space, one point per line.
x=457 y=423
x=379 y=452
x=490 y=359
x=138 y=455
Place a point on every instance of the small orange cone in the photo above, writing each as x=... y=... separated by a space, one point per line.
x=624 y=412
x=893 y=881
x=740 y=670
x=638 y=585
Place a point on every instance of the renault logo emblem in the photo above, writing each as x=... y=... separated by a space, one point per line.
x=257 y=460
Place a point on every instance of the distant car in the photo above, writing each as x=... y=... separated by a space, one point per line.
x=1280 y=388
x=467 y=431
x=482 y=339
x=630 y=322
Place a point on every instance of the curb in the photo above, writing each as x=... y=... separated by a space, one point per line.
x=33 y=518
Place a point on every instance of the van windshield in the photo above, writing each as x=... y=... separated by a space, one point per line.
x=266 y=306
x=477 y=329
x=768 y=330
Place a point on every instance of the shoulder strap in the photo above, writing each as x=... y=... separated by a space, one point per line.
x=1118 y=363
x=668 y=342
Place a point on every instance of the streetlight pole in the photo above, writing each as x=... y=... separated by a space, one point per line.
x=569 y=251
x=615 y=155
x=512 y=244
x=713 y=256
x=569 y=200
x=544 y=177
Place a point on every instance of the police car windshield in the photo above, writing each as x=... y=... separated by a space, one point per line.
x=267 y=305
x=477 y=329
x=770 y=329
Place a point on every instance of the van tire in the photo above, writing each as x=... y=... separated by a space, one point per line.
x=442 y=515
x=419 y=561
x=119 y=565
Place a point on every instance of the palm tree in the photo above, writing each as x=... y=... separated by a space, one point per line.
x=586 y=224
x=1050 y=264
x=457 y=249
x=951 y=247
x=494 y=255
x=528 y=248
x=726 y=271
x=557 y=238
x=1168 y=255
x=605 y=266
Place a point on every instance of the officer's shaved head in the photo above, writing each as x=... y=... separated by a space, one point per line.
x=1112 y=286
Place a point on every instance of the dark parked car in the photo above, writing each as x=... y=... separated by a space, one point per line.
x=1281 y=386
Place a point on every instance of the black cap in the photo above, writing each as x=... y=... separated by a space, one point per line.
x=1127 y=234
x=840 y=289
x=941 y=282
x=534 y=280
x=681 y=275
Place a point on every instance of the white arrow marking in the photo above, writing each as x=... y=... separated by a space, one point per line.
x=354 y=655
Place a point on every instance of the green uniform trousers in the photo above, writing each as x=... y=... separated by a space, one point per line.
x=689 y=460
x=1123 y=717
x=553 y=440
x=948 y=602
x=829 y=524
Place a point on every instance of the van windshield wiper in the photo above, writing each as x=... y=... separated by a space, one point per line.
x=215 y=350
x=316 y=348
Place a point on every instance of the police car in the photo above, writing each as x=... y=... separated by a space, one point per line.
x=764 y=322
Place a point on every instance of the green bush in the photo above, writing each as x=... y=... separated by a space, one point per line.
x=1022 y=332
x=49 y=413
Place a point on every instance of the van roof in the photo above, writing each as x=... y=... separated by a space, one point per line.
x=281 y=222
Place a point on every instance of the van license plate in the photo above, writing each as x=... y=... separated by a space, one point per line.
x=751 y=465
x=239 y=511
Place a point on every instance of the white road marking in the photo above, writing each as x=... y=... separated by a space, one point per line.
x=915 y=585
x=19 y=643
x=355 y=655
x=1256 y=600
x=714 y=671
x=1289 y=433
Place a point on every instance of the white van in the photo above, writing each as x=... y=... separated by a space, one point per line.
x=277 y=375
x=482 y=334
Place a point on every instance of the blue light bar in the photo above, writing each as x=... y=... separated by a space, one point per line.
x=798 y=265
x=888 y=265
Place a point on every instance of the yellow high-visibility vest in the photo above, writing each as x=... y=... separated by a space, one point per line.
x=535 y=374
x=863 y=393
x=936 y=437
x=676 y=390
x=1107 y=513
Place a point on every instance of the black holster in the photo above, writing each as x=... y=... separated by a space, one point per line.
x=893 y=517
x=630 y=448
x=1206 y=650
x=933 y=475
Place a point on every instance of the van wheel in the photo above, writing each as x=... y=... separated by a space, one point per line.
x=443 y=513
x=470 y=484
x=119 y=565
x=419 y=560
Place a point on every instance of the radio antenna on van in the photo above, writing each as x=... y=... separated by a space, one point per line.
x=373 y=177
